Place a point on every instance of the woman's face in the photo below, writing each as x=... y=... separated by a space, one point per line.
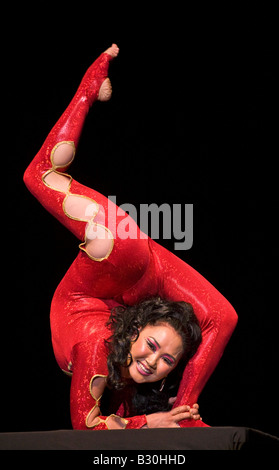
x=155 y=353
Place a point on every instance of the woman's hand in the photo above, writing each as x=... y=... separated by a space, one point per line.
x=170 y=419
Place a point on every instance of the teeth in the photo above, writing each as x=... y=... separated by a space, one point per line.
x=147 y=371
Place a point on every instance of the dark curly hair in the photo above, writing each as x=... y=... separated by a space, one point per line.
x=125 y=324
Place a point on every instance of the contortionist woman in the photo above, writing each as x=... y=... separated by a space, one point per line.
x=138 y=329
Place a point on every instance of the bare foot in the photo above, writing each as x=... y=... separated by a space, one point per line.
x=106 y=88
x=113 y=50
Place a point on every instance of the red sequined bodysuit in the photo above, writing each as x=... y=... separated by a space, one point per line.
x=111 y=270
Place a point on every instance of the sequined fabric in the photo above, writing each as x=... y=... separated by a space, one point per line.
x=135 y=269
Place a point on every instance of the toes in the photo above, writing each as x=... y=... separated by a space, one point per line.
x=113 y=50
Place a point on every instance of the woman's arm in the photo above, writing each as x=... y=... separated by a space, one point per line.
x=88 y=383
x=88 y=386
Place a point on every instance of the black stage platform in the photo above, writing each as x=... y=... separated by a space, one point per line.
x=215 y=438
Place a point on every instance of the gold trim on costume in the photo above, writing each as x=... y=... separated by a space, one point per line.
x=68 y=142
x=82 y=245
x=58 y=173
x=97 y=400
x=67 y=193
x=105 y=421
x=84 y=197
x=90 y=385
x=97 y=404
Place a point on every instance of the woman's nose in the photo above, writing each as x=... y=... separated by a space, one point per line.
x=152 y=361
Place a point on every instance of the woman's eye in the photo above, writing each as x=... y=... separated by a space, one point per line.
x=168 y=361
x=151 y=345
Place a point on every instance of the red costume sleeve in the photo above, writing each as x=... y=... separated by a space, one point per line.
x=89 y=360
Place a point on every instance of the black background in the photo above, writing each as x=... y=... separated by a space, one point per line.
x=191 y=120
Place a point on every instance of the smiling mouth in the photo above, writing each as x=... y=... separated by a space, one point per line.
x=142 y=369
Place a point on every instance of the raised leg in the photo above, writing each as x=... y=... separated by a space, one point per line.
x=76 y=206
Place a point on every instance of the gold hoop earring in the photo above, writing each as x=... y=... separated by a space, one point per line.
x=129 y=360
x=162 y=384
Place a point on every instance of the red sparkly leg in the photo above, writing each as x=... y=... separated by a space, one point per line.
x=72 y=204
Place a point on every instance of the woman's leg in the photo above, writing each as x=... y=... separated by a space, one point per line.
x=217 y=318
x=77 y=207
x=95 y=220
